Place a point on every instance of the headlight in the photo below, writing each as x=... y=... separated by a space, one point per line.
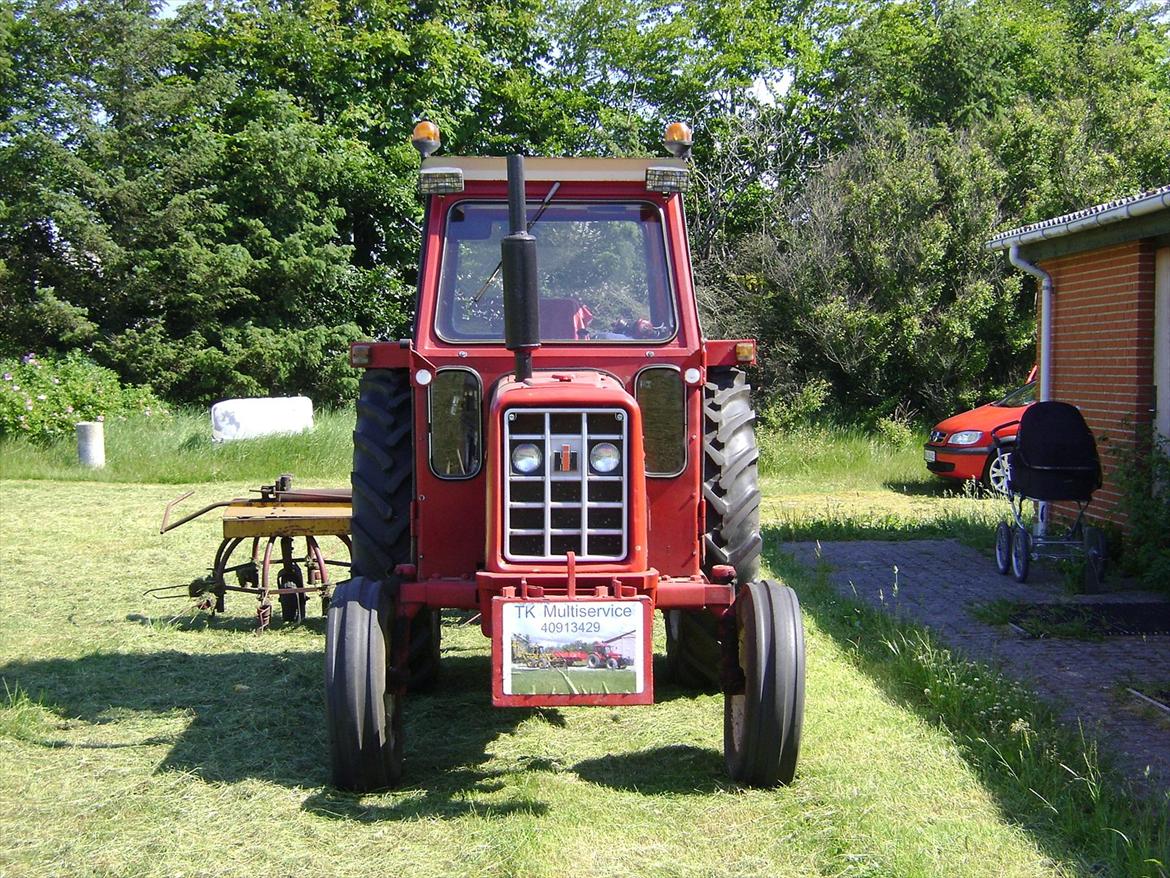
x=965 y=437
x=526 y=458
x=604 y=457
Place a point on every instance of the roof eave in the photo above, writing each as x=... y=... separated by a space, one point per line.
x=1152 y=202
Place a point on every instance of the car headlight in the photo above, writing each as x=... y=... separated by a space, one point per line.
x=604 y=457
x=526 y=458
x=965 y=437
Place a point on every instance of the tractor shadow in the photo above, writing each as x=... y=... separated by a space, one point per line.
x=252 y=715
x=677 y=769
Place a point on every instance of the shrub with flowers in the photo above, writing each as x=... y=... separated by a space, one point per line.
x=42 y=398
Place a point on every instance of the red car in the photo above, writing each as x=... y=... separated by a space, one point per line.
x=961 y=446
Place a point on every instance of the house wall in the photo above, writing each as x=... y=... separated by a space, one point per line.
x=1103 y=350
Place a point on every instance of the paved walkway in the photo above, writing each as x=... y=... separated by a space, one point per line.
x=938 y=581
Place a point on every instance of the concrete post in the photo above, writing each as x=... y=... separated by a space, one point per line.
x=91 y=444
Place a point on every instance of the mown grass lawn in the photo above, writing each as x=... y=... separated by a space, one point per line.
x=141 y=739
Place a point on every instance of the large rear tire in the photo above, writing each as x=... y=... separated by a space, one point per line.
x=762 y=724
x=364 y=716
x=383 y=488
x=732 y=491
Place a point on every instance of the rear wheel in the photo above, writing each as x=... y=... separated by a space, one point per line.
x=383 y=488
x=732 y=493
x=363 y=715
x=761 y=724
x=1003 y=548
x=1096 y=553
x=1021 y=553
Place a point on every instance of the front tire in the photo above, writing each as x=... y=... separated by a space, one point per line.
x=1021 y=553
x=732 y=492
x=762 y=724
x=364 y=716
x=383 y=488
x=1003 y=548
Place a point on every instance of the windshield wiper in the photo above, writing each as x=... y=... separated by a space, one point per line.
x=539 y=213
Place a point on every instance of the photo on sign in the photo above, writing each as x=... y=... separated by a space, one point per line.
x=573 y=648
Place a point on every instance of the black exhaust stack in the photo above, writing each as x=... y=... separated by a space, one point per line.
x=518 y=262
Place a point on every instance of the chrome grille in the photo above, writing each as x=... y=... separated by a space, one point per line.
x=564 y=506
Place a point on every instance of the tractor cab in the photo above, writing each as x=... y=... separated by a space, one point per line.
x=559 y=449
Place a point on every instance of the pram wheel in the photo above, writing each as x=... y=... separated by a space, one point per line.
x=1003 y=548
x=1095 y=555
x=1021 y=553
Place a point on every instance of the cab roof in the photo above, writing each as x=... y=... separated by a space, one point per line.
x=596 y=170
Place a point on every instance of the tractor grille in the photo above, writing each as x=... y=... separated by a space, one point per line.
x=564 y=505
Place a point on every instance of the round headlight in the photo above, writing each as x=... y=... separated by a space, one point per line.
x=604 y=458
x=526 y=458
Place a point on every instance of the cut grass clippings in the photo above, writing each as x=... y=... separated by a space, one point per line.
x=143 y=739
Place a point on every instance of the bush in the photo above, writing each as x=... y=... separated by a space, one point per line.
x=241 y=361
x=1145 y=486
x=42 y=399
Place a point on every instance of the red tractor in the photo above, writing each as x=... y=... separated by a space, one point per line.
x=558 y=448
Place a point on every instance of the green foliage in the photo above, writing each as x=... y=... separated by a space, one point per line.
x=240 y=361
x=42 y=398
x=172 y=189
x=876 y=280
x=1144 y=477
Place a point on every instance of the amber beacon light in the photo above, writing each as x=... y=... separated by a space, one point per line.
x=678 y=139
x=425 y=137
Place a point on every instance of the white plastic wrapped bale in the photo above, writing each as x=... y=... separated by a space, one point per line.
x=233 y=419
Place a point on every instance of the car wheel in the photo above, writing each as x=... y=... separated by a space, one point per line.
x=995 y=474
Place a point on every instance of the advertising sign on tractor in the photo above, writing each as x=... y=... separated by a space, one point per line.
x=594 y=651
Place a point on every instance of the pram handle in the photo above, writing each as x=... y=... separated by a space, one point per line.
x=1063 y=469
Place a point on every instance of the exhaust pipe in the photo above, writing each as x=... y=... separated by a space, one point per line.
x=518 y=263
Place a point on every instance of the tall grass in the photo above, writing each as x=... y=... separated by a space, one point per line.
x=832 y=457
x=179 y=450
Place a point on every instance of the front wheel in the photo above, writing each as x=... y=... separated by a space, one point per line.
x=1021 y=553
x=995 y=475
x=761 y=723
x=364 y=716
x=1003 y=548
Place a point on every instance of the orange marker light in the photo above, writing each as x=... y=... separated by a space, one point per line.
x=745 y=352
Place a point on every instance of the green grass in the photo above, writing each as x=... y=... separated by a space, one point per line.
x=179 y=450
x=572 y=681
x=141 y=739
x=833 y=458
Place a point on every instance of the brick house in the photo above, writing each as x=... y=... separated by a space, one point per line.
x=1104 y=335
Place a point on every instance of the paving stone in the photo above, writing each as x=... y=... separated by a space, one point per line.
x=938 y=582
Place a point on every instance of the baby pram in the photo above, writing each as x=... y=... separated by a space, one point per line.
x=1054 y=459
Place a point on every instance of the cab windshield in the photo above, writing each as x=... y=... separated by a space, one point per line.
x=602 y=270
